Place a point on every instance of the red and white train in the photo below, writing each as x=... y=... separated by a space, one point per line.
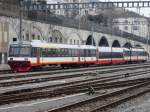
x=27 y=55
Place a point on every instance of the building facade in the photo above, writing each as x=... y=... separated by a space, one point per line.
x=135 y=25
x=4 y=40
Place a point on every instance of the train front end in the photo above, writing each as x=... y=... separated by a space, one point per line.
x=19 y=56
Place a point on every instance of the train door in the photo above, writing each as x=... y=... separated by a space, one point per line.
x=82 y=56
x=97 y=56
x=130 y=53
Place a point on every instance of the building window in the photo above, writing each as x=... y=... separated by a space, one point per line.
x=14 y=39
x=56 y=40
x=60 y=40
x=135 y=27
x=38 y=37
x=136 y=22
x=126 y=21
x=33 y=36
x=78 y=42
x=23 y=37
x=116 y=27
x=70 y=41
x=74 y=41
x=115 y=22
x=50 y=39
x=27 y=36
x=126 y=28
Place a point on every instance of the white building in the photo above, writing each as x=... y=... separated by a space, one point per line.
x=72 y=12
x=132 y=23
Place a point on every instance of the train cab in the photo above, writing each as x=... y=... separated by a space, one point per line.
x=19 y=56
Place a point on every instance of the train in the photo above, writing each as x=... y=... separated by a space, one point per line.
x=25 y=55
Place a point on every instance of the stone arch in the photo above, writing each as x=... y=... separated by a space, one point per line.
x=103 y=41
x=127 y=45
x=36 y=32
x=74 y=38
x=116 y=43
x=90 y=40
x=57 y=37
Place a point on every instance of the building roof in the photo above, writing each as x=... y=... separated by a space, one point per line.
x=126 y=13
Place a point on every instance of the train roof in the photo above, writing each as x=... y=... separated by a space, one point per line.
x=44 y=44
x=106 y=49
x=137 y=49
x=116 y=49
x=109 y=49
x=21 y=43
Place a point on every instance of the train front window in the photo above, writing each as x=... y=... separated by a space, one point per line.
x=25 y=51
x=14 y=51
x=17 y=51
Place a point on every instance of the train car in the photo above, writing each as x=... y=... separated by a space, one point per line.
x=110 y=55
x=35 y=54
x=27 y=55
x=19 y=56
x=104 y=55
x=117 y=55
x=138 y=55
x=88 y=54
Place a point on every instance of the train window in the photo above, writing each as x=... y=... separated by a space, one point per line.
x=70 y=52
x=127 y=53
x=103 y=55
x=73 y=52
x=134 y=53
x=86 y=53
x=81 y=53
x=33 y=52
x=13 y=51
x=61 y=52
x=58 y=53
x=117 y=55
x=66 y=52
x=20 y=51
x=93 y=53
x=54 y=52
x=43 y=52
x=49 y=53
x=25 y=51
x=89 y=53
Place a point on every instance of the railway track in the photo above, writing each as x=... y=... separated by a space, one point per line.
x=67 y=89
x=83 y=72
x=102 y=102
x=58 y=71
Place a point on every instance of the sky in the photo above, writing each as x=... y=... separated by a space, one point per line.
x=143 y=11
